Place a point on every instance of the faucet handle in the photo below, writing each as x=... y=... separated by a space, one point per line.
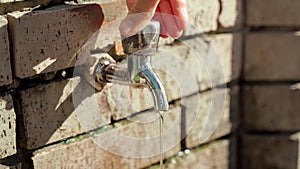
x=144 y=42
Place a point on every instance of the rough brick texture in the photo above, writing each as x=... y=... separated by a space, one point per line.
x=52 y=112
x=216 y=117
x=85 y=153
x=203 y=14
x=272 y=151
x=208 y=16
x=231 y=14
x=5 y=68
x=273 y=13
x=228 y=49
x=272 y=56
x=46 y=45
x=212 y=61
x=273 y=108
x=215 y=155
x=7 y=127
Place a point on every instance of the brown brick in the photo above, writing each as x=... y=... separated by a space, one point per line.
x=206 y=16
x=204 y=59
x=273 y=13
x=60 y=110
x=5 y=68
x=231 y=14
x=203 y=16
x=7 y=127
x=123 y=100
x=215 y=155
x=211 y=117
x=85 y=153
x=270 y=151
x=228 y=49
x=271 y=108
x=46 y=45
x=279 y=51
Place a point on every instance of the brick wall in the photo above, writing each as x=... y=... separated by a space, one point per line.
x=270 y=90
x=42 y=103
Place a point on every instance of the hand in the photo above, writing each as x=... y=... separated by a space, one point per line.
x=172 y=15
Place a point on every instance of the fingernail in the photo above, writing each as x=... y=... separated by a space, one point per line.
x=126 y=26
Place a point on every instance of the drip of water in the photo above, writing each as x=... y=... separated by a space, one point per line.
x=161 y=121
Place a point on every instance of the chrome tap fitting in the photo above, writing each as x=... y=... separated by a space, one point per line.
x=140 y=48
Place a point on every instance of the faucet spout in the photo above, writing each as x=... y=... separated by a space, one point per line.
x=157 y=90
x=140 y=69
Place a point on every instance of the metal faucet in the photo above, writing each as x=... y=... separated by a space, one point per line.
x=139 y=73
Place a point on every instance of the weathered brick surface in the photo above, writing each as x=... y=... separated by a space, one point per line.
x=273 y=13
x=5 y=68
x=203 y=16
x=270 y=151
x=212 y=61
x=207 y=16
x=271 y=108
x=7 y=127
x=215 y=155
x=215 y=112
x=228 y=48
x=231 y=14
x=85 y=153
x=60 y=110
x=45 y=45
x=279 y=51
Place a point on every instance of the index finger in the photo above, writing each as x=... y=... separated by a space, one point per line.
x=130 y=3
x=179 y=8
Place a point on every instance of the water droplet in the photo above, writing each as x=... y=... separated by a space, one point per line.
x=173 y=161
x=180 y=153
x=187 y=151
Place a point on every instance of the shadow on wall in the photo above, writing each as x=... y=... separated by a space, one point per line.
x=50 y=114
x=50 y=39
x=5 y=68
x=236 y=71
x=271 y=124
x=281 y=151
x=47 y=43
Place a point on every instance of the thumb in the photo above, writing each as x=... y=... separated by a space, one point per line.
x=138 y=16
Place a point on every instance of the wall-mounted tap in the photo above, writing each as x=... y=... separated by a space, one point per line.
x=139 y=73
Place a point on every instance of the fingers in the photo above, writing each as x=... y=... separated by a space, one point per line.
x=163 y=30
x=169 y=20
x=179 y=8
x=172 y=15
x=135 y=23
